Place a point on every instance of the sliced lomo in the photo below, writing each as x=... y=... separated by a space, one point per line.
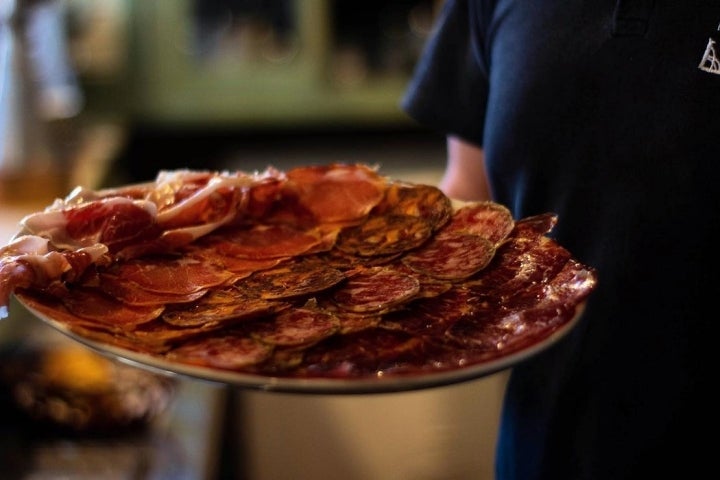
x=131 y=293
x=451 y=256
x=93 y=304
x=376 y=289
x=179 y=276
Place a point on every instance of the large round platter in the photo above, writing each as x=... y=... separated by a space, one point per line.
x=329 y=279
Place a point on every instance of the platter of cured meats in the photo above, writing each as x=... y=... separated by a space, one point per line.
x=321 y=278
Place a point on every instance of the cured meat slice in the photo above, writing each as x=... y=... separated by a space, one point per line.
x=451 y=255
x=361 y=354
x=346 y=261
x=159 y=335
x=132 y=294
x=181 y=276
x=520 y=266
x=429 y=287
x=104 y=333
x=352 y=322
x=264 y=241
x=376 y=289
x=546 y=307
x=29 y=262
x=336 y=193
x=240 y=266
x=384 y=235
x=489 y=219
x=299 y=326
x=113 y=222
x=187 y=197
x=432 y=316
x=52 y=307
x=222 y=307
x=94 y=305
x=229 y=351
x=416 y=200
x=535 y=225
x=292 y=279
x=505 y=331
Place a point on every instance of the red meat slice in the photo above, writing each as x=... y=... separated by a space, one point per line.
x=95 y=305
x=336 y=193
x=491 y=220
x=230 y=351
x=452 y=255
x=179 y=276
x=376 y=289
x=263 y=242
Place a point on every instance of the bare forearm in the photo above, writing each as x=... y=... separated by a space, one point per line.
x=465 y=177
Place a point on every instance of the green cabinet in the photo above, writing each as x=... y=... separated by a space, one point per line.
x=239 y=68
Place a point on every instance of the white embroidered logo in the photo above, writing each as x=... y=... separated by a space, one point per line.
x=710 y=61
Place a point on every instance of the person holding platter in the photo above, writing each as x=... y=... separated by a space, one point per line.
x=606 y=113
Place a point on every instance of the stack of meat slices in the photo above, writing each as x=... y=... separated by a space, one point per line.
x=330 y=272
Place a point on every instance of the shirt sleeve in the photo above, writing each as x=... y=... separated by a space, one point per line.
x=449 y=88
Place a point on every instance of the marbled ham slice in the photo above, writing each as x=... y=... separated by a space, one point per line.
x=433 y=316
x=521 y=265
x=535 y=225
x=114 y=222
x=361 y=354
x=28 y=262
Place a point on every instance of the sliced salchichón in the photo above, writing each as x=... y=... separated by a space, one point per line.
x=230 y=351
x=299 y=326
x=376 y=289
x=489 y=219
x=451 y=255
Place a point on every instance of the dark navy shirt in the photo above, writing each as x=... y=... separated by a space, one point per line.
x=607 y=113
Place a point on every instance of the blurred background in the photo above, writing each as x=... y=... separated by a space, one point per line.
x=108 y=92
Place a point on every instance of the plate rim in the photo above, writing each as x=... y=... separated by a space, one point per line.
x=317 y=385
